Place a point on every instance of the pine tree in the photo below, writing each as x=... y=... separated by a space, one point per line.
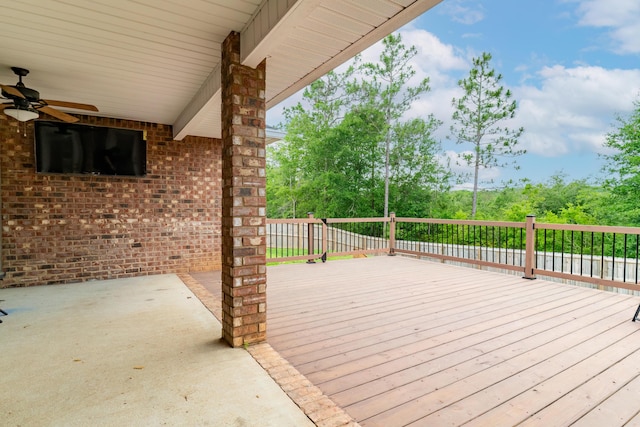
x=477 y=117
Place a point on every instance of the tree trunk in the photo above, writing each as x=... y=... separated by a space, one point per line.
x=474 y=204
x=386 y=176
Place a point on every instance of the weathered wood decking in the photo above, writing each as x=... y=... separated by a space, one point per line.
x=397 y=341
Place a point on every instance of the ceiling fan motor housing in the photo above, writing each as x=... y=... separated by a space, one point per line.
x=25 y=98
x=30 y=94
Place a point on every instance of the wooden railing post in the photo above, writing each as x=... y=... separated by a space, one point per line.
x=530 y=247
x=310 y=238
x=325 y=245
x=392 y=234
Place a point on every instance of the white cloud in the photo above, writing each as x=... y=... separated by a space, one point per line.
x=622 y=17
x=440 y=63
x=435 y=59
x=572 y=109
x=465 y=12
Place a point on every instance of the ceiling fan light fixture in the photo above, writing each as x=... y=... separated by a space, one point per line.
x=22 y=114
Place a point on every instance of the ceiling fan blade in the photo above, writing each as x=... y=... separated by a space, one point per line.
x=12 y=91
x=75 y=105
x=58 y=114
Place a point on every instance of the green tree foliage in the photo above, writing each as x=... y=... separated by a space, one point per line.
x=282 y=181
x=348 y=137
x=576 y=202
x=559 y=194
x=409 y=148
x=299 y=168
x=416 y=177
x=334 y=158
x=555 y=201
x=623 y=167
x=346 y=178
x=477 y=117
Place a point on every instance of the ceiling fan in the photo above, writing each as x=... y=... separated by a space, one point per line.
x=25 y=103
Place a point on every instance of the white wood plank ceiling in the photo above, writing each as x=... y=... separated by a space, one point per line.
x=158 y=60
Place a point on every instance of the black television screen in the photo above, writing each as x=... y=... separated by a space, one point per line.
x=82 y=149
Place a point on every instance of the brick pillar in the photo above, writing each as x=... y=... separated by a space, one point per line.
x=244 y=274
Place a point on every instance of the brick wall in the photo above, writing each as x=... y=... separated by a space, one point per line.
x=66 y=228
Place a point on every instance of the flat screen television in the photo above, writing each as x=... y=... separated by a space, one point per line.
x=66 y=148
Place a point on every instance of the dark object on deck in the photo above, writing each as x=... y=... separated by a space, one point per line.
x=3 y=313
x=635 y=316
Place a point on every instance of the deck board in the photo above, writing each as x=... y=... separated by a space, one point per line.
x=397 y=341
x=615 y=409
x=466 y=355
x=418 y=340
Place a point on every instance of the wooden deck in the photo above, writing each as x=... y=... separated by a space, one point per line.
x=397 y=341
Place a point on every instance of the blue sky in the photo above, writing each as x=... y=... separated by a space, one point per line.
x=572 y=65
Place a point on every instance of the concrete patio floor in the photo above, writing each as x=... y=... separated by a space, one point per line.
x=139 y=351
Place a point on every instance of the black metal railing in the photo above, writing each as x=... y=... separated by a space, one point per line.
x=480 y=242
x=600 y=255
x=607 y=256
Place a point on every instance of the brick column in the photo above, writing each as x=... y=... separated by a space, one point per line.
x=244 y=274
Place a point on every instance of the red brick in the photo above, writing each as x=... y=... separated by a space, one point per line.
x=254 y=318
x=243 y=291
x=254 y=299
x=68 y=228
x=244 y=310
x=242 y=331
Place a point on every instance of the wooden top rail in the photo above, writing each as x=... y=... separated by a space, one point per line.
x=352 y=220
x=329 y=220
x=295 y=221
x=588 y=228
x=538 y=225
